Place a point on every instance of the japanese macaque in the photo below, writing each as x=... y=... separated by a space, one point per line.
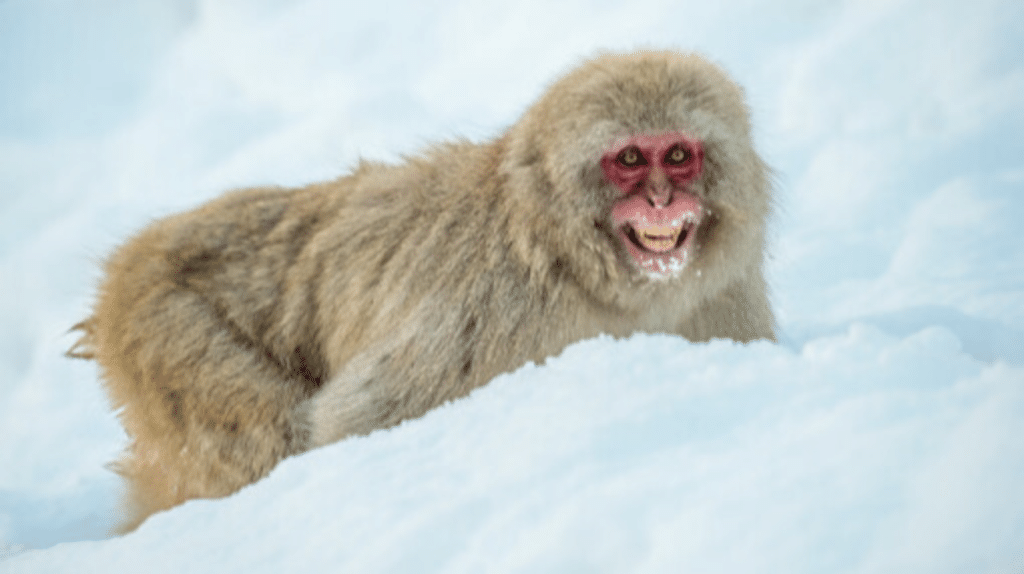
x=271 y=321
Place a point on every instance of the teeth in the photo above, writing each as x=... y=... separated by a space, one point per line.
x=658 y=238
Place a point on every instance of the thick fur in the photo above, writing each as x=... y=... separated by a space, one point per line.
x=271 y=321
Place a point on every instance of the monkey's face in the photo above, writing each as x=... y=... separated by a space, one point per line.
x=639 y=170
x=657 y=216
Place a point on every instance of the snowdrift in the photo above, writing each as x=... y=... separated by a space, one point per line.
x=858 y=453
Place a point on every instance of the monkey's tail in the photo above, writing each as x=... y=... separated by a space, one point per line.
x=84 y=347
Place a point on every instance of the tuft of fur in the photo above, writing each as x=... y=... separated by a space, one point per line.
x=270 y=321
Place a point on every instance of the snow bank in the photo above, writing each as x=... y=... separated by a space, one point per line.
x=859 y=453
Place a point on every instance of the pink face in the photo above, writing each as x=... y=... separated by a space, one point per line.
x=657 y=216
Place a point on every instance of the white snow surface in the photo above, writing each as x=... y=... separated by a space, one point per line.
x=883 y=433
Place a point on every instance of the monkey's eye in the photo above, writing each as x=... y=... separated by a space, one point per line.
x=676 y=156
x=631 y=157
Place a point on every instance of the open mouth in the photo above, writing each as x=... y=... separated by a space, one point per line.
x=660 y=240
x=663 y=249
x=657 y=238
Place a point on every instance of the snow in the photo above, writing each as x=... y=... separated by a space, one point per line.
x=882 y=434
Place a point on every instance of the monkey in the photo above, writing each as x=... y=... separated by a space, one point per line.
x=627 y=199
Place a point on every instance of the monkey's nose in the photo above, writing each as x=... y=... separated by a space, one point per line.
x=659 y=197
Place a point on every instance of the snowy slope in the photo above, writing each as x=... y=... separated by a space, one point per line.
x=860 y=453
x=881 y=435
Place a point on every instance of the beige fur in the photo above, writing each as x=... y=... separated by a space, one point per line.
x=271 y=321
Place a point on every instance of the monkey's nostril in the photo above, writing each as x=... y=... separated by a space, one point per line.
x=659 y=200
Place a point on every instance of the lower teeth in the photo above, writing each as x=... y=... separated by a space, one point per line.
x=656 y=243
